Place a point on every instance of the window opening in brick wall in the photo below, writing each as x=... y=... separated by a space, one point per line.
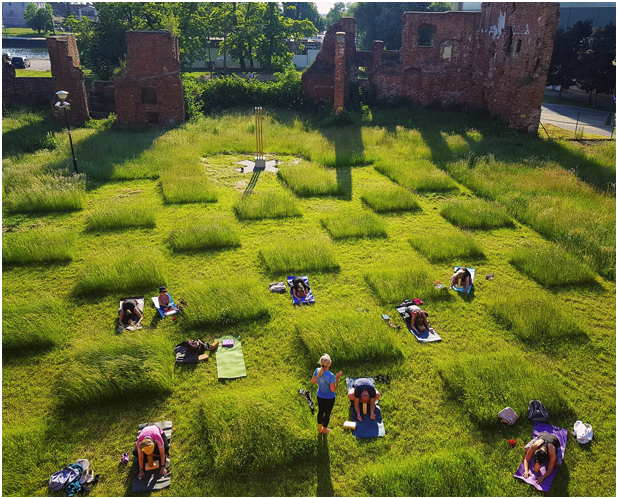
x=362 y=74
x=148 y=96
x=509 y=41
x=518 y=45
x=426 y=36
x=152 y=117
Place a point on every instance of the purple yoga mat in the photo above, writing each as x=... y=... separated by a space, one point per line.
x=562 y=435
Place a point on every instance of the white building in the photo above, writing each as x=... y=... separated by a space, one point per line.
x=13 y=13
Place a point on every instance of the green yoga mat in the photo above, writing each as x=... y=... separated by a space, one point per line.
x=230 y=361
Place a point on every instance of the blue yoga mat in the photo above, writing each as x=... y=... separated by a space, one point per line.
x=308 y=299
x=155 y=300
x=425 y=336
x=367 y=428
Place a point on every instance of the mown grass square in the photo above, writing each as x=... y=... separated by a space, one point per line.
x=390 y=199
x=476 y=214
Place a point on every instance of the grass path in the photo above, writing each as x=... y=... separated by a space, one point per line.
x=420 y=414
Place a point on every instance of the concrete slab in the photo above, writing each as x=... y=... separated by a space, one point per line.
x=249 y=166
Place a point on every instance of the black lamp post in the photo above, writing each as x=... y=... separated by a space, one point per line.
x=63 y=104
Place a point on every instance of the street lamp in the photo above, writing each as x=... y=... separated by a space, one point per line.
x=63 y=104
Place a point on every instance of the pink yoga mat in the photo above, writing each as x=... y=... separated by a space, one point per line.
x=559 y=433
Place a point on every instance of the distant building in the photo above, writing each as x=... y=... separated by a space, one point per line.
x=79 y=10
x=600 y=13
x=13 y=13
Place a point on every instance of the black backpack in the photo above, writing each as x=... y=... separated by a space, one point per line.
x=537 y=411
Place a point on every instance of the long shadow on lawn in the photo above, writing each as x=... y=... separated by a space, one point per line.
x=324 y=478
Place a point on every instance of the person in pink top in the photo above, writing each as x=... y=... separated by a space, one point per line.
x=151 y=441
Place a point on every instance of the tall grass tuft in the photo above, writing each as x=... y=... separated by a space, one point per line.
x=476 y=214
x=227 y=301
x=114 y=214
x=252 y=429
x=393 y=286
x=27 y=329
x=537 y=320
x=187 y=183
x=457 y=472
x=551 y=266
x=484 y=384
x=136 y=270
x=348 y=336
x=203 y=235
x=262 y=205
x=390 y=199
x=299 y=254
x=46 y=193
x=38 y=246
x=421 y=176
x=116 y=370
x=310 y=179
x=354 y=225
x=449 y=246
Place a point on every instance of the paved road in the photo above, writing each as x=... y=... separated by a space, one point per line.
x=39 y=65
x=565 y=116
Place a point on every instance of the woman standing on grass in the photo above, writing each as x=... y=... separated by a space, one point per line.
x=326 y=392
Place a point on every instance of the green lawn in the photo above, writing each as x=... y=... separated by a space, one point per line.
x=74 y=388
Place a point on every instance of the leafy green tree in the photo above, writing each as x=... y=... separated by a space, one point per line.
x=248 y=27
x=271 y=46
x=39 y=20
x=335 y=13
x=382 y=20
x=299 y=11
x=568 y=45
x=596 y=71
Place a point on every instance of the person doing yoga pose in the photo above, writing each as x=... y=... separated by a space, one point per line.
x=129 y=312
x=462 y=274
x=326 y=392
x=364 y=391
x=416 y=318
x=545 y=447
x=151 y=441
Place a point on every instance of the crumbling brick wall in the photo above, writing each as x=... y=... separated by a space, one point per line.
x=67 y=76
x=24 y=91
x=149 y=89
x=496 y=59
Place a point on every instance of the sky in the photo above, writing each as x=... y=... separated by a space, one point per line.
x=324 y=7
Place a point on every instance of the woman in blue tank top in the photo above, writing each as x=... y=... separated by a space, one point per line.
x=326 y=392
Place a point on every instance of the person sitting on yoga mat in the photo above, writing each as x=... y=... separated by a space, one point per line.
x=151 y=441
x=165 y=300
x=463 y=275
x=416 y=318
x=545 y=447
x=300 y=289
x=326 y=392
x=129 y=311
x=363 y=391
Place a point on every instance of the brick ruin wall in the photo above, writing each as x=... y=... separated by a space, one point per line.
x=496 y=59
x=149 y=89
x=67 y=76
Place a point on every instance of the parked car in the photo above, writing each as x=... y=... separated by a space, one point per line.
x=20 y=62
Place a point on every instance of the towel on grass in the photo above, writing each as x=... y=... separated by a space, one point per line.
x=153 y=480
x=559 y=433
x=140 y=307
x=163 y=314
x=367 y=428
x=309 y=299
x=425 y=336
x=230 y=361
x=473 y=277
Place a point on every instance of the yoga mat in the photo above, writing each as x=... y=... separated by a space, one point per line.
x=367 y=428
x=562 y=435
x=308 y=299
x=473 y=277
x=230 y=361
x=425 y=336
x=153 y=479
x=155 y=300
x=140 y=307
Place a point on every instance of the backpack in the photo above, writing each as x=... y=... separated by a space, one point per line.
x=537 y=412
x=60 y=479
x=195 y=346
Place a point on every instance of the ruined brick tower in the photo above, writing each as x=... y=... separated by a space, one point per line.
x=149 y=89
x=67 y=76
x=496 y=59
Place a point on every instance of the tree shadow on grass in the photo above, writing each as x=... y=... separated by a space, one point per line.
x=27 y=139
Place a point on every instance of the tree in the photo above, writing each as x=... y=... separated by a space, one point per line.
x=298 y=11
x=271 y=46
x=39 y=20
x=566 y=50
x=334 y=14
x=596 y=70
x=382 y=21
x=248 y=27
